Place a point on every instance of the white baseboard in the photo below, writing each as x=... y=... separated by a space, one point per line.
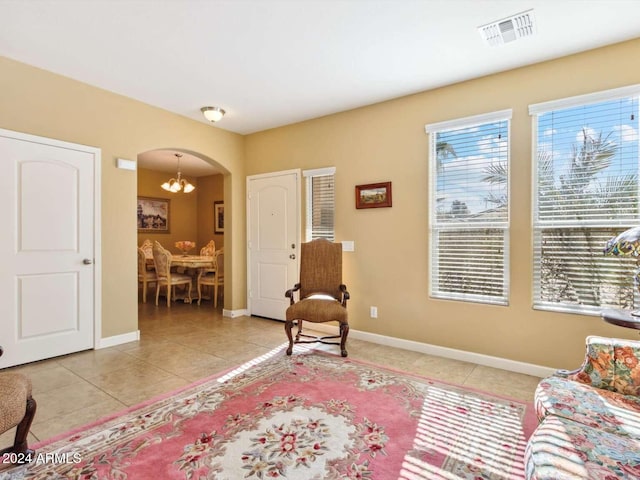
x=235 y=313
x=462 y=355
x=118 y=340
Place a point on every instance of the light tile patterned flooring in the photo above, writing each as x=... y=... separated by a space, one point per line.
x=187 y=342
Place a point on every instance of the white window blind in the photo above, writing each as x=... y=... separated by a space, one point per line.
x=320 y=188
x=469 y=208
x=585 y=192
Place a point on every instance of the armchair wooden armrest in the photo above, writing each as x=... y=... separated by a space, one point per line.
x=289 y=293
x=345 y=294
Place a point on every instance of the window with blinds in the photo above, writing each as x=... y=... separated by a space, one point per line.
x=585 y=192
x=469 y=208
x=320 y=203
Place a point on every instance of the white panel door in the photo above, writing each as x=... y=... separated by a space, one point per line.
x=273 y=219
x=46 y=248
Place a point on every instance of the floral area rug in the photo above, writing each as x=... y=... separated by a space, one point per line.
x=311 y=416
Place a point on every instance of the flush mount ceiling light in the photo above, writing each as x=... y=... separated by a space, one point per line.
x=508 y=29
x=175 y=185
x=213 y=114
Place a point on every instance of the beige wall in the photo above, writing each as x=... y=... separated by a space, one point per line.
x=383 y=142
x=41 y=103
x=210 y=189
x=389 y=268
x=191 y=214
x=183 y=210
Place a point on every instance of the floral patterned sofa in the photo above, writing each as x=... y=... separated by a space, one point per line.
x=590 y=417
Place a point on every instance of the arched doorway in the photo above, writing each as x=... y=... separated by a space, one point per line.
x=196 y=216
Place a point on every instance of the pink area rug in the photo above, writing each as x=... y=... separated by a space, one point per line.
x=311 y=416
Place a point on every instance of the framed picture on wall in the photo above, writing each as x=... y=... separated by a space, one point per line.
x=373 y=195
x=153 y=215
x=218 y=217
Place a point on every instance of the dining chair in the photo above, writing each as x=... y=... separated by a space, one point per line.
x=209 y=249
x=147 y=248
x=213 y=276
x=145 y=276
x=162 y=261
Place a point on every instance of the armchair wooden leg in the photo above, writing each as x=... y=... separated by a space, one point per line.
x=22 y=432
x=344 y=331
x=20 y=444
x=288 y=325
x=299 y=330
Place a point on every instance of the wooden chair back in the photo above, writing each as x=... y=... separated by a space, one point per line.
x=321 y=268
x=162 y=261
x=147 y=248
x=142 y=264
x=219 y=265
x=209 y=249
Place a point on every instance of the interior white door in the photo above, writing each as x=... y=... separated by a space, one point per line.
x=273 y=218
x=46 y=247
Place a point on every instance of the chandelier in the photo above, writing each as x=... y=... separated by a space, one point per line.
x=175 y=185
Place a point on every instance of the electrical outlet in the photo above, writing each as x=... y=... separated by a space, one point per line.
x=348 y=246
x=373 y=312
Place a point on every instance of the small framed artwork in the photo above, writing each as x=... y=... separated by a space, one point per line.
x=153 y=215
x=218 y=217
x=373 y=195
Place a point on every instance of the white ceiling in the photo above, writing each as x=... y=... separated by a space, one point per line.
x=270 y=63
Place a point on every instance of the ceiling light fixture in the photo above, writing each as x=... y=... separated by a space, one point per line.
x=213 y=114
x=175 y=185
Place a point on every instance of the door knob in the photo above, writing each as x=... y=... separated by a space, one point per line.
x=87 y=261
x=292 y=256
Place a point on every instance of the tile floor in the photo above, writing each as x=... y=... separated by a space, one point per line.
x=187 y=342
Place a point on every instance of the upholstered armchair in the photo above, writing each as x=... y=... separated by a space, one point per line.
x=589 y=417
x=322 y=297
x=17 y=409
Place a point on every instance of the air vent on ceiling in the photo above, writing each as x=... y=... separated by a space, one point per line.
x=508 y=29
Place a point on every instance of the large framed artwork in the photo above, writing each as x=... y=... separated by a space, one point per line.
x=218 y=217
x=373 y=195
x=153 y=215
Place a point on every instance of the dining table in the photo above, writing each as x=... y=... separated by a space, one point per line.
x=188 y=261
x=194 y=262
